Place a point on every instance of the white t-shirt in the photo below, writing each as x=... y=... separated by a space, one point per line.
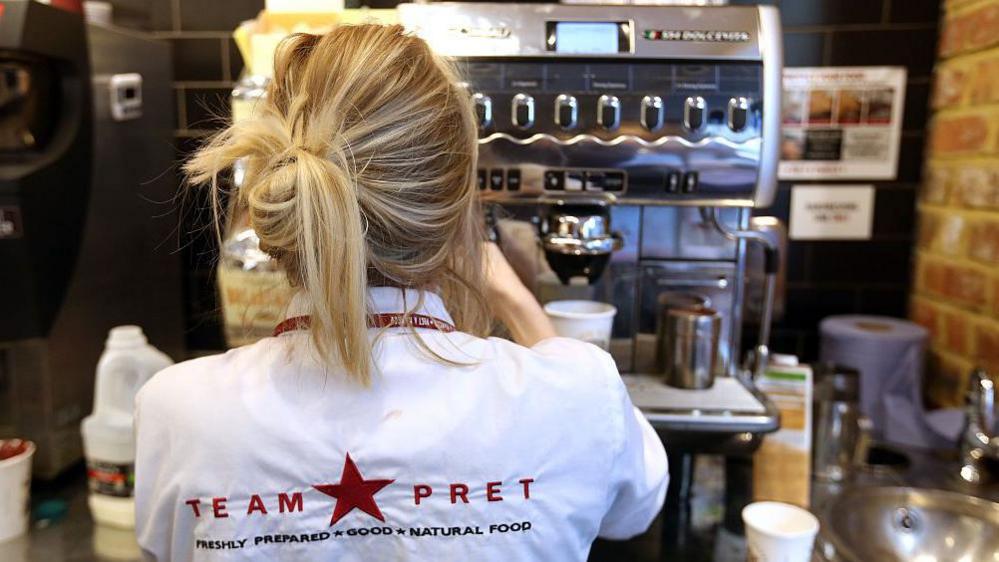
x=524 y=454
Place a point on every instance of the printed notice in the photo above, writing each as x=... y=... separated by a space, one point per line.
x=832 y=212
x=841 y=122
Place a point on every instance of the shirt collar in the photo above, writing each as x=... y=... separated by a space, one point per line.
x=386 y=300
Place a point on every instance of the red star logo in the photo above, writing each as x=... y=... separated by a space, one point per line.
x=353 y=491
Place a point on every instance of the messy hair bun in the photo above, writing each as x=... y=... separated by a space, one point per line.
x=360 y=166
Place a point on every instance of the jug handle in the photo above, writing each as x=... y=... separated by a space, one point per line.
x=124 y=368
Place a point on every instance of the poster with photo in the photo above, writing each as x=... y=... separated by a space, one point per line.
x=841 y=122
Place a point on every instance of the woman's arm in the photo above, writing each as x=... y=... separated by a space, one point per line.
x=512 y=302
x=639 y=472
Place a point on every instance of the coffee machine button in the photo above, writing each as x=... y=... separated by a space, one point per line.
x=595 y=181
x=738 y=113
x=481 y=180
x=574 y=181
x=609 y=112
x=495 y=180
x=554 y=180
x=652 y=112
x=673 y=180
x=693 y=112
x=613 y=181
x=566 y=111
x=690 y=182
x=513 y=179
x=523 y=111
x=483 y=109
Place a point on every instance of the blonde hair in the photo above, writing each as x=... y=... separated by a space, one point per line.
x=360 y=166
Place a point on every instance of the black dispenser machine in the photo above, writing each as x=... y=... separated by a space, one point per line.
x=87 y=232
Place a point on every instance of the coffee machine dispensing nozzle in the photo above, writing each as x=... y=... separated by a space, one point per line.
x=577 y=239
x=759 y=357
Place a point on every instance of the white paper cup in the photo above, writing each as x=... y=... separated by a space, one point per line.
x=590 y=321
x=15 y=484
x=779 y=532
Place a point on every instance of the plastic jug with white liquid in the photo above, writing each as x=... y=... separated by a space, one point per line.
x=127 y=363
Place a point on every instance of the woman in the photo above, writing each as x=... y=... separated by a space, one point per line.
x=379 y=423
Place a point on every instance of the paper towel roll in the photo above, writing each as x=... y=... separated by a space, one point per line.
x=888 y=352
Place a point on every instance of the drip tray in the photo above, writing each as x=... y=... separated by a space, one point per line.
x=729 y=406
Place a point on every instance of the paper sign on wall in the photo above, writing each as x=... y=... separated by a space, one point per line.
x=841 y=123
x=832 y=212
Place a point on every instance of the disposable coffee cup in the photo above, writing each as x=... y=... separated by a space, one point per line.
x=15 y=482
x=590 y=321
x=779 y=532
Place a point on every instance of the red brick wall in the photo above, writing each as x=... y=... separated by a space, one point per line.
x=956 y=293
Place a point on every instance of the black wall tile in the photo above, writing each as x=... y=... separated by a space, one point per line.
x=806 y=307
x=785 y=341
x=796 y=263
x=217 y=15
x=181 y=115
x=885 y=302
x=161 y=15
x=830 y=12
x=207 y=108
x=185 y=146
x=804 y=49
x=810 y=345
x=914 y=49
x=917 y=106
x=204 y=327
x=895 y=212
x=861 y=262
x=197 y=59
x=200 y=247
x=133 y=14
x=236 y=62
x=910 y=157
x=198 y=237
x=915 y=11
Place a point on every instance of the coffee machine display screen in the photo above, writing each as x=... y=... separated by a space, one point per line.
x=589 y=37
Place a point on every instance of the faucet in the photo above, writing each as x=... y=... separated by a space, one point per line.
x=980 y=440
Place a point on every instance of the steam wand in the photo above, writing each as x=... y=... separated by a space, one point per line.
x=757 y=359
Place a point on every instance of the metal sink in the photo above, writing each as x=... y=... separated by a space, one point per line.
x=884 y=524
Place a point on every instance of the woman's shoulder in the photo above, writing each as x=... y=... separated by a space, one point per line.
x=561 y=378
x=185 y=382
x=576 y=351
x=569 y=347
x=560 y=359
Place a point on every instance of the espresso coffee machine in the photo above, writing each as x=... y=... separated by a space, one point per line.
x=659 y=122
x=86 y=201
x=624 y=148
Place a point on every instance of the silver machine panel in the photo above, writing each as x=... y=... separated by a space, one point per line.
x=640 y=105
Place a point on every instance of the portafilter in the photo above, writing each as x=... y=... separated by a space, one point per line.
x=577 y=239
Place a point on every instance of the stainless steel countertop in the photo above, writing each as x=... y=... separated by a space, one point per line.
x=73 y=537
